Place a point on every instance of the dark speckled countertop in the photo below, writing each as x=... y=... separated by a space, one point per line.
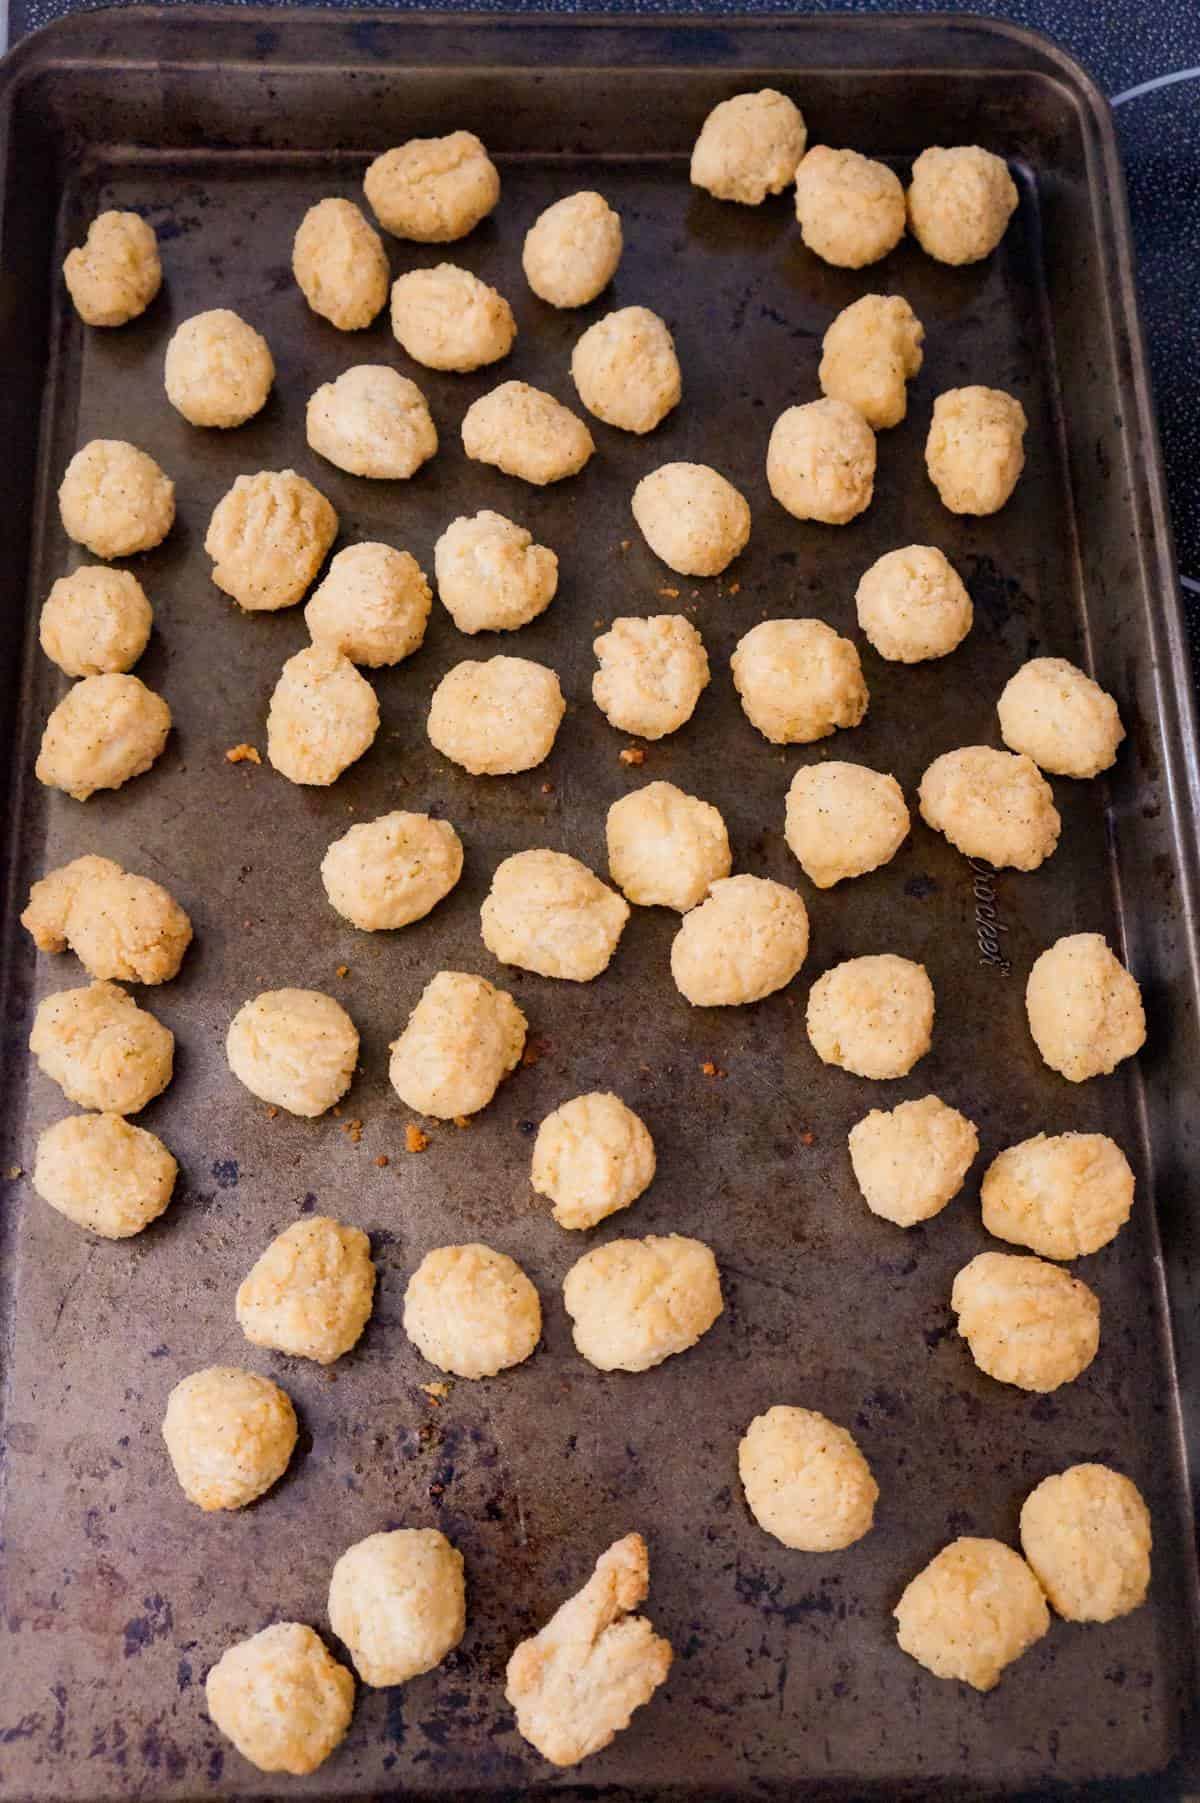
x=1145 y=54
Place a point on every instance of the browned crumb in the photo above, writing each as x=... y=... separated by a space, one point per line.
x=807 y=1139
x=462 y=1120
x=435 y=1392
x=626 y=543
x=414 y=1139
x=272 y=1112
x=709 y=1068
x=242 y=754
x=14 y=1172
x=343 y=970
x=669 y=594
x=337 y=1108
x=633 y=754
x=353 y=1131
x=383 y=1161
x=735 y=588
x=547 y=788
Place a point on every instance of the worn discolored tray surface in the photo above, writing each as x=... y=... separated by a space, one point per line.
x=117 y=1594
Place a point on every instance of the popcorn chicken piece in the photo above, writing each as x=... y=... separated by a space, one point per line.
x=973 y=1609
x=498 y=717
x=1085 y=1009
x=844 y=820
x=491 y=576
x=749 y=146
x=909 y=1162
x=281 y=1698
x=869 y=354
x=692 y=518
x=666 y=848
x=115 y=500
x=572 y=250
x=105 y=731
x=373 y=605
x=1054 y=713
x=526 y=433
x=592 y=1156
x=294 y=1048
x=549 y=913
x=872 y=1016
x=991 y=805
x=103 y=1174
x=268 y=538
x=230 y=1435
x=103 y=1050
x=1086 y=1533
x=746 y=941
x=219 y=370
x=119 y=926
x=386 y=873
x=821 y=462
x=626 y=370
x=806 y=1481
x=850 y=208
x=798 y=680
x=114 y=275
x=576 y=1683
x=960 y=202
x=372 y=422
x=1027 y=1323
x=634 y=1303
x=95 y=622
x=1062 y=1197
x=340 y=264
x=462 y=1039
x=322 y=718
x=652 y=673
x=912 y=605
x=433 y=190
x=309 y=1295
x=975 y=450
x=471 y=1311
x=446 y=318
x=398 y=1602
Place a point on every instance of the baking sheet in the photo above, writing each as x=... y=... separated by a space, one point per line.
x=117 y=1594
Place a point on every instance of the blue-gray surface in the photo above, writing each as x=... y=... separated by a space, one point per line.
x=1125 y=45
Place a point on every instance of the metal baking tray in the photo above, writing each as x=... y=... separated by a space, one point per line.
x=222 y=126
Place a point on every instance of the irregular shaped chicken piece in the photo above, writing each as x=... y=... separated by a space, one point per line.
x=123 y=928
x=749 y=146
x=116 y=273
x=576 y=1684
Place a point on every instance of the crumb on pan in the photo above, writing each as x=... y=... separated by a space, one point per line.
x=633 y=754
x=243 y=754
x=414 y=1139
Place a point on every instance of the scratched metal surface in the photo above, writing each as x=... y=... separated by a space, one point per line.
x=117 y=1594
